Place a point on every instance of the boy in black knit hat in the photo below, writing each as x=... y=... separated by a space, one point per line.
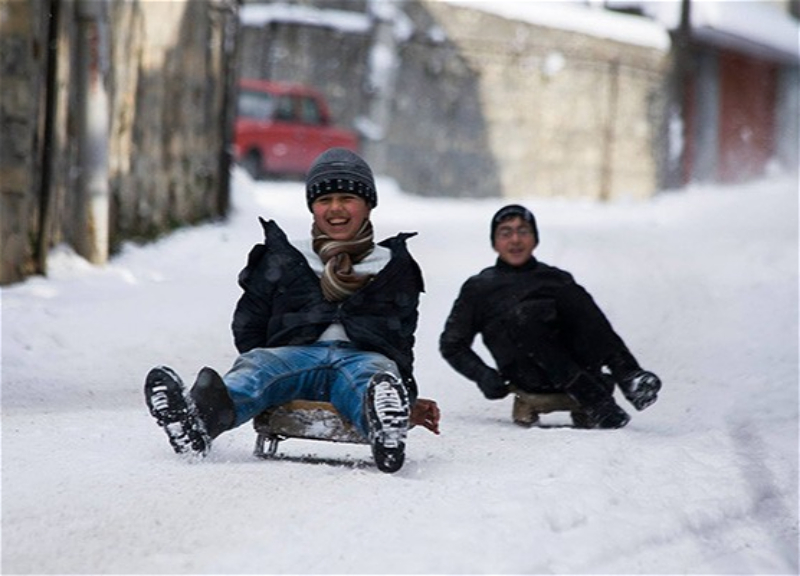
x=544 y=331
x=331 y=318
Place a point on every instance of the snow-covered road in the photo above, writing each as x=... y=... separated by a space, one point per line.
x=702 y=284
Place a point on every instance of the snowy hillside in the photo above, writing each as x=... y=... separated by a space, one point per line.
x=702 y=284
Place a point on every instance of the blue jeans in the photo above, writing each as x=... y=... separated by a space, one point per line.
x=334 y=372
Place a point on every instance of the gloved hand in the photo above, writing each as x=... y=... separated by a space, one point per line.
x=493 y=386
x=640 y=388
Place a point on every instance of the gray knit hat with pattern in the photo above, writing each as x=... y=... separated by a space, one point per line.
x=340 y=170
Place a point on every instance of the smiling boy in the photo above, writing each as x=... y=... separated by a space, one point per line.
x=544 y=331
x=330 y=318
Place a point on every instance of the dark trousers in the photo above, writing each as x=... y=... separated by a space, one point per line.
x=554 y=358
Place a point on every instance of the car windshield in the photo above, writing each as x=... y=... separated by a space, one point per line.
x=256 y=105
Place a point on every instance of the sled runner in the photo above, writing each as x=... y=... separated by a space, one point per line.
x=528 y=406
x=301 y=419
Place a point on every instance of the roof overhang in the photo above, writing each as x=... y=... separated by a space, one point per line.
x=763 y=30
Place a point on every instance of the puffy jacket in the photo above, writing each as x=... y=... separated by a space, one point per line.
x=283 y=305
x=514 y=308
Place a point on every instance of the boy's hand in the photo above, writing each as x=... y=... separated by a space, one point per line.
x=425 y=412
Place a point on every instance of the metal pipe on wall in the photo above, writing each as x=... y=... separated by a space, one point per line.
x=93 y=130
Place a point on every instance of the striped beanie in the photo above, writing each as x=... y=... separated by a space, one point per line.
x=340 y=170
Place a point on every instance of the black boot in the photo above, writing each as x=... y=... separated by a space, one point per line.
x=596 y=400
x=609 y=415
x=175 y=412
x=388 y=414
x=214 y=404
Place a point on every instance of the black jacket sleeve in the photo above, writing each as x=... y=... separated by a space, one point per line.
x=455 y=343
x=252 y=313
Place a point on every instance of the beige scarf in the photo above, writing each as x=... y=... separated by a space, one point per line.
x=338 y=279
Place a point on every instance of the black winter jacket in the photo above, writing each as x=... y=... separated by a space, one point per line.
x=520 y=312
x=283 y=305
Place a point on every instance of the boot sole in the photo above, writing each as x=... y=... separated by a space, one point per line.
x=181 y=424
x=388 y=442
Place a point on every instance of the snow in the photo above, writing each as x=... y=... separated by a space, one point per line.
x=749 y=25
x=702 y=284
x=562 y=14
x=577 y=17
x=343 y=20
x=754 y=22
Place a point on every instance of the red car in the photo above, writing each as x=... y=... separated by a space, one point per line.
x=281 y=128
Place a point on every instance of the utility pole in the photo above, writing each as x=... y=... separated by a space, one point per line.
x=678 y=129
x=46 y=158
x=228 y=13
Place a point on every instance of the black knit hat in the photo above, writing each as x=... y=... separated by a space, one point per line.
x=511 y=211
x=340 y=170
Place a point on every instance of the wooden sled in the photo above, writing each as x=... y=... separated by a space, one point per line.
x=528 y=406
x=301 y=419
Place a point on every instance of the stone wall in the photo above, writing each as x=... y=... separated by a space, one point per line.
x=438 y=139
x=167 y=69
x=169 y=127
x=333 y=62
x=23 y=54
x=478 y=105
x=568 y=114
x=420 y=117
x=469 y=105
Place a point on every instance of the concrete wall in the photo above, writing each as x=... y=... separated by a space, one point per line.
x=438 y=140
x=470 y=105
x=393 y=79
x=568 y=114
x=478 y=105
x=324 y=57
